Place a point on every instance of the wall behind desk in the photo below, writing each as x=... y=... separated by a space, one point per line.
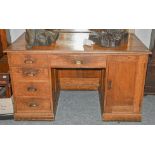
x=15 y=33
x=144 y=35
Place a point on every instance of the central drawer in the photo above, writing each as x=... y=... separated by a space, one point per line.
x=32 y=89
x=77 y=61
x=32 y=104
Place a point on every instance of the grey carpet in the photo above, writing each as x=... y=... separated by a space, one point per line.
x=82 y=108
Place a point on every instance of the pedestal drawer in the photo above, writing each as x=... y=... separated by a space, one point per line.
x=29 y=60
x=22 y=74
x=32 y=104
x=39 y=89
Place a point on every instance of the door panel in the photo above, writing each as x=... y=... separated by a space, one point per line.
x=120 y=87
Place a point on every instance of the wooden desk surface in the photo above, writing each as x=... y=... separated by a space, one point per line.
x=73 y=42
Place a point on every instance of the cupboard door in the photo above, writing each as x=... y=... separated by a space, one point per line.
x=124 y=84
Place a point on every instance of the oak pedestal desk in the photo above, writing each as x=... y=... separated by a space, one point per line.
x=38 y=75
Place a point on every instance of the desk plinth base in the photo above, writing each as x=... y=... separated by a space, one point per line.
x=34 y=116
x=121 y=117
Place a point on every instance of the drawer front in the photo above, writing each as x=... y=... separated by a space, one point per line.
x=32 y=89
x=77 y=61
x=28 y=60
x=29 y=74
x=32 y=105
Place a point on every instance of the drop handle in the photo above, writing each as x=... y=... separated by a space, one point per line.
x=78 y=62
x=33 y=104
x=30 y=73
x=28 y=61
x=31 y=89
x=109 y=84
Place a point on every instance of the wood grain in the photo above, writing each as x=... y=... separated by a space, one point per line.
x=117 y=73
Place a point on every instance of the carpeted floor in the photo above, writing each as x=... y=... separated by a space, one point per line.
x=82 y=108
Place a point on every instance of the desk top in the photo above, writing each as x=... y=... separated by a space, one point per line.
x=73 y=43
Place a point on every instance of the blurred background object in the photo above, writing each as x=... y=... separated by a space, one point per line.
x=5 y=84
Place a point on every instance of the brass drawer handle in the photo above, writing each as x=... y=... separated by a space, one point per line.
x=78 y=62
x=30 y=73
x=33 y=104
x=29 y=61
x=31 y=89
